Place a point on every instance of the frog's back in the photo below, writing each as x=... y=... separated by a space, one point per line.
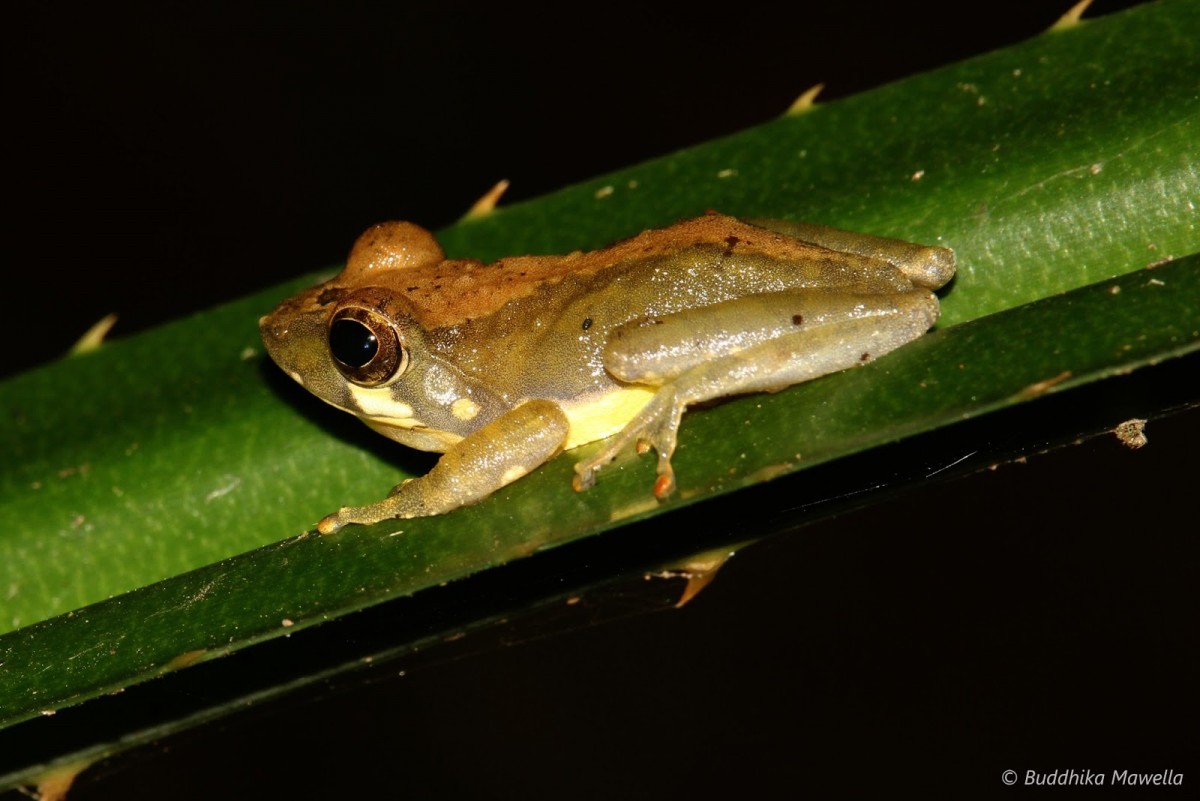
x=536 y=326
x=452 y=292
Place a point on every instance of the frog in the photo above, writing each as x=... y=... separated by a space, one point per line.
x=500 y=367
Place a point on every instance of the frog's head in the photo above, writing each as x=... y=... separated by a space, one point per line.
x=353 y=343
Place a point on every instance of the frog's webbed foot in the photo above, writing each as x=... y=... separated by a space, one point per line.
x=655 y=426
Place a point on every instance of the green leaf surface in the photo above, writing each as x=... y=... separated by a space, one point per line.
x=153 y=493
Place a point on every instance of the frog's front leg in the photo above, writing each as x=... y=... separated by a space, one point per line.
x=752 y=344
x=483 y=462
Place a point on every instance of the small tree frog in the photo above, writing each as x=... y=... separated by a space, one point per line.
x=501 y=366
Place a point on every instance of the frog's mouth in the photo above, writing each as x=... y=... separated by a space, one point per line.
x=413 y=433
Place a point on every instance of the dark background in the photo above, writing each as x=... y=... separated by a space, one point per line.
x=162 y=160
x=166 y=157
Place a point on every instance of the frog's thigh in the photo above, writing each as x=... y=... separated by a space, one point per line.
x=924 y=265
x=795 y=337
x=483 y=462
x=658 y=350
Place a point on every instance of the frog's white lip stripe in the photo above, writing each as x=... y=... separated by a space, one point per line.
x=407 y=423
x=378 y=404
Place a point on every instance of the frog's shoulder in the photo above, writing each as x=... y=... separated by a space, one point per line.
x=446 y=292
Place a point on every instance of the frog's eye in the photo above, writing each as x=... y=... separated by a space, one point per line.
x=366 y=347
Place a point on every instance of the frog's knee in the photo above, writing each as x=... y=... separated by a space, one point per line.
x=931 y=267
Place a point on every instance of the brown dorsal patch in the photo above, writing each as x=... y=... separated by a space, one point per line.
x=450 y=292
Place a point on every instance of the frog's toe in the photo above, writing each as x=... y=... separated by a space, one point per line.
x=664 y=485
x=586 y=469
x=332 y=523
x=585 y=477
x=663 y=441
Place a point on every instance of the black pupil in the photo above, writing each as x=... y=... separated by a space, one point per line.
x=352 y=343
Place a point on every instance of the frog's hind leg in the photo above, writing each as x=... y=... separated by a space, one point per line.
x=925 y=265
x=784 y=339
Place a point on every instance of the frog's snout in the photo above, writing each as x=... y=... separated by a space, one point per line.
x=279 y=329
x=277 y=337
x=270 y=329
x=272 y=332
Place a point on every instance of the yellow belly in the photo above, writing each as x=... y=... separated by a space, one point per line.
x=605 y=415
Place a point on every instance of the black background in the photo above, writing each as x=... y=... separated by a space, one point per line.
x=161 y=160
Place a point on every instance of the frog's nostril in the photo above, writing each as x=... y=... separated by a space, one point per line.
x=272 y=333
